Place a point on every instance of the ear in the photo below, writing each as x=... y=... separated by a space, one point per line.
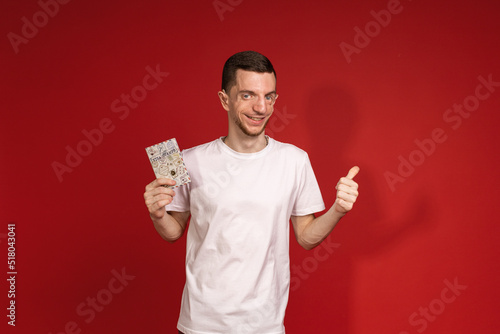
x=224 y=100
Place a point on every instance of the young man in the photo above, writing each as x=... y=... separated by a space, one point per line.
x=245 y=187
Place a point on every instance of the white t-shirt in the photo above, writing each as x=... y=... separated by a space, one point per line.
x=237 y=254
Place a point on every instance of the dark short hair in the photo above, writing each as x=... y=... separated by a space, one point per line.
x=245 y=60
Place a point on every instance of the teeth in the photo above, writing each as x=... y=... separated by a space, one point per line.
x=255 y=118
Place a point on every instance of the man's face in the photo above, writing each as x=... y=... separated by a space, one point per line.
x=250 y=102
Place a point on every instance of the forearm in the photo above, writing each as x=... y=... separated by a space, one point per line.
x=311 y=231
x=318 y=228
x=168 y=227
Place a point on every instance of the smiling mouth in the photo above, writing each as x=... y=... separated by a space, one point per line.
x=255 y=118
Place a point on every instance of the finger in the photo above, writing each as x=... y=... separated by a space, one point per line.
x=152 y=193
x=347 y=189
x=350 y=198
x=158 y=205
x=160 y=182
x=163 y=181
x=344 y=205
x=151 y=199
x=162 y=190
x=347 y=182
x=352 y=172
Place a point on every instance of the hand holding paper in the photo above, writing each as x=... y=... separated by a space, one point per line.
x=167 y=162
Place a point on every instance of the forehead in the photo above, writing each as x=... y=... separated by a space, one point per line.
x=254 y=81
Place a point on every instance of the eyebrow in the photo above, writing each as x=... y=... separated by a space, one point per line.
x=253 y=93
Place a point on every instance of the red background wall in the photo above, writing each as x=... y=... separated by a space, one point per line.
x=388 y=268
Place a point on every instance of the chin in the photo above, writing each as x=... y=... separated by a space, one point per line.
x=255 y=133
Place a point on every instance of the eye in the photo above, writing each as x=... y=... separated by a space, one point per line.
x=247 y=96
x=270 y=98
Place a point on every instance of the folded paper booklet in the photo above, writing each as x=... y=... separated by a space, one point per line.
x=167 y=162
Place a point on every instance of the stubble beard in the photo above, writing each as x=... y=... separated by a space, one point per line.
x=245 y=130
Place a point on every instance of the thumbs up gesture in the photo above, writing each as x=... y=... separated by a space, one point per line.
x=347 y=192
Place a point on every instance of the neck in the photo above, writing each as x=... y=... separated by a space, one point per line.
x=247 y=144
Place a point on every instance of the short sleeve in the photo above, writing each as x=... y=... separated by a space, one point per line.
x=308 y=199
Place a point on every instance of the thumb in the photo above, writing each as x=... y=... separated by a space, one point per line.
x=352 y=172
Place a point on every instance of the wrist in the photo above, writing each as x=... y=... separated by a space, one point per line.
x=337 y=210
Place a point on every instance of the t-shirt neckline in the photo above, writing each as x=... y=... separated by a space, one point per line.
x=241 y=155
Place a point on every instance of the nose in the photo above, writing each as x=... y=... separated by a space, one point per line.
x=260 y=105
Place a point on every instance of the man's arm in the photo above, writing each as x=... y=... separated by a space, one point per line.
x=170 y=225
x=310 y=231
